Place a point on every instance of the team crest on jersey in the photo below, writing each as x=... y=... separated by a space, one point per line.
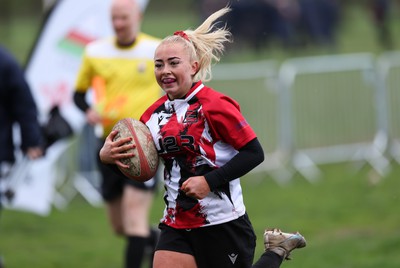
x=191 y=116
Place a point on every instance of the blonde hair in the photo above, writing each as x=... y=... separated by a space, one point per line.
x=205 y=44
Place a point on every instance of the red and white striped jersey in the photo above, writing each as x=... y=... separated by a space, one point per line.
x=194 y=136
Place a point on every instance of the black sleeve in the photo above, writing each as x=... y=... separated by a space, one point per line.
x=249 y=156
x=80 y=100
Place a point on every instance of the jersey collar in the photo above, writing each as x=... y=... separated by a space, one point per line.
x=175 y=104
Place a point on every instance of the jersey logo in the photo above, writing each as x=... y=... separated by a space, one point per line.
x=191 y=116
x=163 y=118
x=233 y=257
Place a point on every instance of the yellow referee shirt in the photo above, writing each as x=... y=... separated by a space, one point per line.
x=122 y=78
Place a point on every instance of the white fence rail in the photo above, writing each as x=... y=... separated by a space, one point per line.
x=318 y=110
x=389 y=69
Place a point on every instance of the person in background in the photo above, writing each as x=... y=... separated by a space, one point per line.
x=120 y=71
x=319 y=22
x=206 y=145
x=380 y=11
x=17 y=106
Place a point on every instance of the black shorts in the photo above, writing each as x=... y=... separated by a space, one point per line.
x=226 y=245
x=113 y=181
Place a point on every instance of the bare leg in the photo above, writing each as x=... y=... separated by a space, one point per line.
x=114 y=214
x=136 y=204
x=170 y=259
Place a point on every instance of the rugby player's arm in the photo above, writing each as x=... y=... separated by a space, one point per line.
x=248 y=157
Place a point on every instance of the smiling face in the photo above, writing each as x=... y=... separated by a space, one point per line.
x=125 y=15
x=174 y=69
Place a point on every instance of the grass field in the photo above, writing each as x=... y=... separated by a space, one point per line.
x=349 y=217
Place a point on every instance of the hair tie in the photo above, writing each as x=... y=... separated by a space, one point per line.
x=182 y=34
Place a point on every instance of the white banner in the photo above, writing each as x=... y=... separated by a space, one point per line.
x=55 y=60
x=33 y=182
x=51 y=72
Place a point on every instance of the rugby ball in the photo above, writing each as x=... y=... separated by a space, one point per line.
x=143 y=166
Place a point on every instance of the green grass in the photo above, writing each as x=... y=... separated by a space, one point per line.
x=348 y=219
